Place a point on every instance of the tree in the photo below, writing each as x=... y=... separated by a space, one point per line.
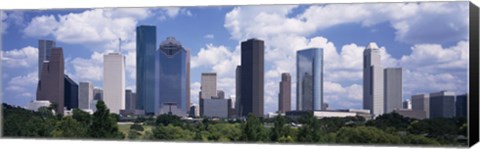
x=391 y=121
x=310 y=131
x=171 y=132
x=281 y=132
x=253 y=130
x=82 y=116
x=69 y=128
x=166 y=119
x=365 y=135
x=103 y=124
x=137 y=127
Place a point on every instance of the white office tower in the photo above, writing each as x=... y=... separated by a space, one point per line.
x=393 y=89
x=114 y=82
x=85 y=95
x=209 y=85
x=373 y=98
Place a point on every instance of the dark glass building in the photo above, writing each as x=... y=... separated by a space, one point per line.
x=51 y=85
x=310 y=79
x=442 y=105
x=285 y=94
x=461 y=105
x=71 y=93
x=173 y=77
x=146 y=47
x=252 y=77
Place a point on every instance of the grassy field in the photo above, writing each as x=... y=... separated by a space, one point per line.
x=124 y=128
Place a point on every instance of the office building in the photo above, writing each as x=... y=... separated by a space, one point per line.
x=461 y=105
x=85 y=96
x=393 y=89
x=252 y=77
x=310 y=79
x=71 y=93
x=130 y=100
x=97 y=94
x=373 y=87
x=421 y=102
x=208 y=88
x=442 y=104
x=37 y=104
x=44 y=49
x=146 y=47
x=51 y=85
x=173 y=77
x=194 y=111
x=285 y=93
x=238 y=82
x=416 y=114
x=216 y=108
x=114 y=82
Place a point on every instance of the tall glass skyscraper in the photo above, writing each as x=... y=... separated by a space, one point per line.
x=146 y=47
x=173 y=77
x=310 y=79
x=252 y=77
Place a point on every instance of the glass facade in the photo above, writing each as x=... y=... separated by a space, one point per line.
x=310 y=79
x=146 y=47
x=172 y=83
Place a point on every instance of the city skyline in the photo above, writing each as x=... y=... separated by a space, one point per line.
x=216 y=49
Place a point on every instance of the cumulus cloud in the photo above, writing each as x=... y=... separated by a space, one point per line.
x=172 y=12
x=23 y=83
x=41 y=26
x=88 y=69
x=26 y=57
x=209 y=36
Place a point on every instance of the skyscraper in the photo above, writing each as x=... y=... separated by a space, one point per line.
x=393 y=89
x=421 y=102
x=407 y=104
x=373 y=98
x=252 y=77
x=310 y=79
x=114 y=82
x=129 y=100
x=442 y=104
x=71 y=93
x=238 y=89
x=44 y=49
x=173 y=76
x=51 y=85
x=208 y=85
x=146 y=47
x=461 y=105
x=85 y=96
x=285 y=93
x=97 y=94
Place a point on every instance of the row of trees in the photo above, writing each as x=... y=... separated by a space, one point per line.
x=19 y=122
x=385 y=129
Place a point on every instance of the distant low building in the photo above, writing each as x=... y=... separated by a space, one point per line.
x=331 y=113
x=171 y=108
x=35 y=105
x=416 y=114
x=216 y=108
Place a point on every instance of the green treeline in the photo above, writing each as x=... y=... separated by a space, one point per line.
x=386 y=129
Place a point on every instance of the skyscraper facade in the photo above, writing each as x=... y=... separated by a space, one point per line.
x=208 y=85
x=51 y=85
x=285 y=93
x=252 y=77
x=393 y=89
x=373 y=91
x=129 y=100
x=310 y=79
x=461 y=105
x=146 y=47
x=114 y=82
x=442 y=104
x=421 y=102
x=238 y=88
x=97 y=94
x=44 y=49
x=173 y=76
x=71 y=93
x=85 y=96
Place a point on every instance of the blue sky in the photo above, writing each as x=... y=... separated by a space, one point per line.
x=429 y=40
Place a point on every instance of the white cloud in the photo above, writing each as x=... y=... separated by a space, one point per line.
x=41 y=26
x=209 y=36
x=88 y=69
x=194 y=91
x=219 y=58
x=20 y=84
x=432 y=57
x=25 y=57
x=412 y=21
